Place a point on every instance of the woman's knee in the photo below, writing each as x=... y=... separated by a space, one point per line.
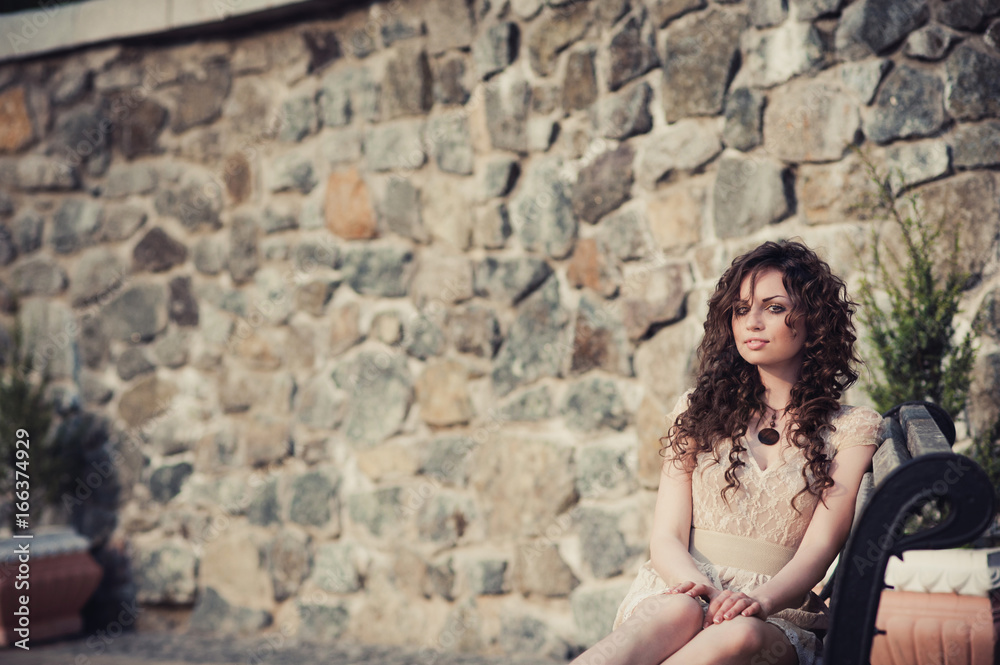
x=744 y=636
x=677 y=610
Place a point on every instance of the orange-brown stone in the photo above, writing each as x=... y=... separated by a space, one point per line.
x=349 y=211
x=590 y=267
x=16 y=131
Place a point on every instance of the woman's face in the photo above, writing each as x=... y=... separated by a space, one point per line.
x=759 y=329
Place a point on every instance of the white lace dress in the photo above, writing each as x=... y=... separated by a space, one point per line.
x=761 y=509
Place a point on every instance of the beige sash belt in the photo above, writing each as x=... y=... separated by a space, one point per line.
x=725 y=549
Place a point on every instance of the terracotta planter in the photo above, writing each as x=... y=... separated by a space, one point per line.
x=944 y=610
x=62 y=575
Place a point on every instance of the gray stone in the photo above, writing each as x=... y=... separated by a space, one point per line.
x=507 y=106
x=424 y=338
x=451 y=143
x=34 y=173
x=334 y=568
x=92 y=342
x=552 y=33
x=399 y=209
x=604 y=472
x=599 y=338
x=293 y=171
x=625 y=113
x=594 y=609
x=288 y=562
x=120 y=220
x=875 y=26
x=530 y=405
x=8 y=250
x=491 y=227
x=158 y=252
x=132 y=362
x=318 y=404
x=700 y=50
x=962 y=14
x=449 y=79
x=275 y=220
x=196 y=203
x=75 y=225
x=165 y=573
x=932 y=42
x=771 y=57
x=863 y=77
x=975 y=146
x=604 y=184
x=683 y=146
x=242 y=261
x=495 y=48
x=406 y=86
x=449 y=24
x=749 y=194
x=323 y=623
x=341 y=146
x=592 y=404
x=909 y=104
x=808 y=10
x=380 y=511
x=381 y=390
x=300 y=118
x=165 y=482
x=448 y=460
x=527 y=635
x=312 y=254
x=210 y=255
x=93 y=390
x=182 y=306
x=913 y=163
x=129 y=180
x=511 y=279
x=398 y=28
x=79 y=136
x=765 y=13
x=346 y=93
x=973 y=84
x=602 y=542
x=171 y=349
x=26 y=231
x=313 y=499
x=444 y=517
x=579 y=89
x=533 y=346
x=263 y=508
x=139 y=313
x=200 y=97
x=39 y=276
x=213 y=614
x=98 y=272
x=45 y=324
x=498 y=175
x=625 y=235
x=137 y=132
x=383 y=270
x=473 y=329
x=664 y=11
x=484 y=575
x=395 y=145
x=632 y=50
x=744 y=119
x=832 y=119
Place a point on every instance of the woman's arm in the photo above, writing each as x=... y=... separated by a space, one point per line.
x=668 y=547
x=827 y=531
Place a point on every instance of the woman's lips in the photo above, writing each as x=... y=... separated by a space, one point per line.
x=755 y=344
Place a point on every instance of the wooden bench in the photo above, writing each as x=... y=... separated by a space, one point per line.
x=913 y=464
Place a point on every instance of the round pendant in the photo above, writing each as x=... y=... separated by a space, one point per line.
x=768 y=436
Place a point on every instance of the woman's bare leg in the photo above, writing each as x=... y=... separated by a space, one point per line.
x=738 y=641
x=658 y=627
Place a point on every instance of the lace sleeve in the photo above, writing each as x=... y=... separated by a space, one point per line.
x=859 y=427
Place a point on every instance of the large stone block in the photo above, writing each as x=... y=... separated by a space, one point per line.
x=632 y=50
x=594 y=403
x=38 y=276
x=771 y=57
x=380 y=392
x=495 y=48
x=604 y=184
x=442 y=392
x=973 y=83
x=451 y=143
x=213 y=614
x=509 y=279
x=147 y=398
x=137 y=313
x=683 y=146
x=665 y=363
x=314 y=500
x=158 y=252
x=624 y=114
x=288 y=561
x=406 y=86
x=75 y=225
x=810 y=120
x=875 y=26
x=164 y=572
x=552 y=33
x=395 y=145
x=507 y=105
x=749 y=194
x=975 y=146
x=450 y=24
x=200 y=95
x=347 y=206
x=16 y=130
x=541 y=211
x=910 y=103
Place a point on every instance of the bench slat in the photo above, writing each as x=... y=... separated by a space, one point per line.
x=922 y=433
x=891 y=454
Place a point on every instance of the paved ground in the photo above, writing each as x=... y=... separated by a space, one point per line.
x=159 y=649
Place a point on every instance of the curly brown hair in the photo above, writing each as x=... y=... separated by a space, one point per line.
x=729 y=391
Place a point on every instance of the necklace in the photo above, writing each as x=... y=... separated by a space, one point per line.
x=769 y=436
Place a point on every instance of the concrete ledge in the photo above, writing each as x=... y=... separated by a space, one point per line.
x=62 y=26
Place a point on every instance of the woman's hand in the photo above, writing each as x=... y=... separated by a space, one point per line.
x=695 y=589
x=727 y=604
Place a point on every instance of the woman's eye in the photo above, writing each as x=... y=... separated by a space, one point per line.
x=740 y=311
x=777 y=309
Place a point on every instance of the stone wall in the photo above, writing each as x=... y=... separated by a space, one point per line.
x=387 y=305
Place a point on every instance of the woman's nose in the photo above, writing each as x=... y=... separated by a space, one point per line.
x=754 y=321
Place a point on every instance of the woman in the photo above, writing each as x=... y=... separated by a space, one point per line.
x=761 y=470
